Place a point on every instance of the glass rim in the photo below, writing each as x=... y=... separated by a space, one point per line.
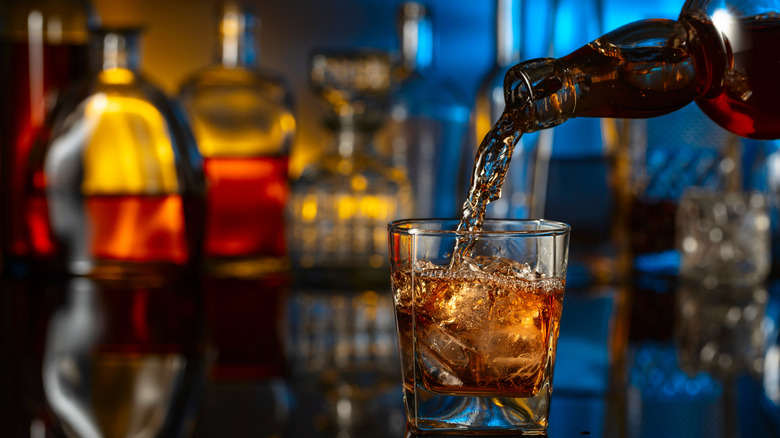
x=552 y=228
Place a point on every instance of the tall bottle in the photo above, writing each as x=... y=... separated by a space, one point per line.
x=428 y=119
x=340 y=334
x=116 y=188
x=243 y=122
x=43 y=44
x=340 y=205
x=522 y=30
x=116 y=202
x=719 y=56
x=584 y=150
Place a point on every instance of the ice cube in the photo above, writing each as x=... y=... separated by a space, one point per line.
x=514 y=309
x=445 y=346
x=442 y=356
x=469 y=305
x=466 y=266
x=512 y=342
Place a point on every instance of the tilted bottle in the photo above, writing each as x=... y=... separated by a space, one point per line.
x=719 y=54
x=428 y=119
x=243 y=122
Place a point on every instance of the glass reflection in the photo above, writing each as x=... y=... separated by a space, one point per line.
x=719 y=329
x=122 y=361
x=343 y=357
x=770 y=382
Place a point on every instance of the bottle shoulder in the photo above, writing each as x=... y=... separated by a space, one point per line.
x=368 y=173
x=219 y=79
x=429 y=94
x=107 y=137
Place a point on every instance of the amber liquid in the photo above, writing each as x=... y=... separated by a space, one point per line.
x=632 y=81
x=27 y=96
x=138 y=228
x=477 y=335
x=123 y=235
x=488 y=175
x=246 y=202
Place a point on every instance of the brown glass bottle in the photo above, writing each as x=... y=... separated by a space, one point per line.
x=653 y=67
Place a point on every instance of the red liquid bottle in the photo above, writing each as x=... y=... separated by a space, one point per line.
x=243 y=123
x=44 y=48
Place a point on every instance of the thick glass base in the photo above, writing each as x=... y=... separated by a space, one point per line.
x=431 y=413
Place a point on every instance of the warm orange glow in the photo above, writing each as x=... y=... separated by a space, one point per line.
x=116 y=76
x=258 y=127
x=129 y=151
x=309 y=208
x=138 y=228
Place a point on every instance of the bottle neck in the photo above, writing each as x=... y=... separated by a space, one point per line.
x=116 y=49
x=350 y=136
x=237 y=46
x=612 y=76
x=416 y=37
x=508 y=32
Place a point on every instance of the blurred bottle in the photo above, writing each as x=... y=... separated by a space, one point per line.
x=523 y=30
x=338 y=337
x=761 y=164
x=122 y=359
x=342 y=203
x=116 y=189
x=243 y=122
x=428 y=120
x=43 y=45
x=666 y=156
x=584 y=150
x=116 y=204
x=490 y=97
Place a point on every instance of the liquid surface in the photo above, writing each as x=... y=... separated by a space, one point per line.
x=487 y=327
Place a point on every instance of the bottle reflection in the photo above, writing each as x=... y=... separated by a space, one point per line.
x=343 y=356
x=771 y=378
x=698 y=382
x=123 y=361
x=243 y=122
x=719 y=328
